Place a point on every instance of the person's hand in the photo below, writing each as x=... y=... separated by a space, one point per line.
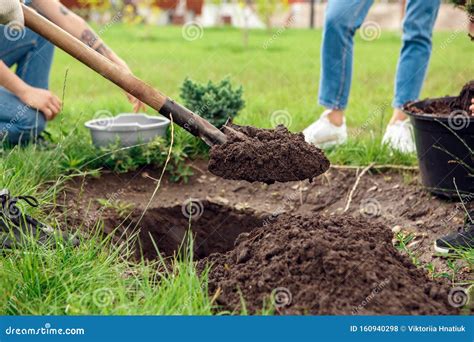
x=137 y=104
x=472 y=106
x=11 y=12
x=43 y=100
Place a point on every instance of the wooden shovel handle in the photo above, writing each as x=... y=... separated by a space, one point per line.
x=128 y=82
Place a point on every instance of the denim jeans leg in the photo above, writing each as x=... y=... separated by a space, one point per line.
x=416 y=50
x=343 y=18
x=18 y=122
x=33 y=56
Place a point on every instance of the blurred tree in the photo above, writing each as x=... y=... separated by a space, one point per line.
x=468 y=6
x=266 y=9
x=246 y=6
x=99 y=5
x=94 y=9
x=139 y=11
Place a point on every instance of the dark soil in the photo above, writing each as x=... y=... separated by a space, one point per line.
x=391 y=198
x=463 y=101
x=384 y=203
x=268 y=156
x=447 y=106
x=319 y=265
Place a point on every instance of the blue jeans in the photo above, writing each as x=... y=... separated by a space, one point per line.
x=33 y=56
x=343 y=18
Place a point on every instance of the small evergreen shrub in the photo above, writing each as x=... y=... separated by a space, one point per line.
x=215 y=102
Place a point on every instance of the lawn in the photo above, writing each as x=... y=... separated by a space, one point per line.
x=96 y=278
x=279 y=72
x=283 y=76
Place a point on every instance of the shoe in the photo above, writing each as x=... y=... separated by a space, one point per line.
x=399 y=137
x=15 y=226
x=461 y=239
x=324 y=134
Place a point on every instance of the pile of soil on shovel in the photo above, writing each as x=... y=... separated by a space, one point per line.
x=320 y=265
x=447 y=106
x=268 y=156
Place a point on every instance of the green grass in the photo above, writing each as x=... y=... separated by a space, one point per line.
x=96 y=278
x=284 y=77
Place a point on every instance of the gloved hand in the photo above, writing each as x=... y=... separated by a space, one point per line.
x=10 y=11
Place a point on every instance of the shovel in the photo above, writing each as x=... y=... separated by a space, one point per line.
x=182 y=116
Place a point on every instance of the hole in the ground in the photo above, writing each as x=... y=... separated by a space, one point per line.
x=215 y=228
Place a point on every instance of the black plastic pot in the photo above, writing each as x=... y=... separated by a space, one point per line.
x=445 y=148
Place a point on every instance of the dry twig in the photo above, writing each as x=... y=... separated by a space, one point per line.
x=351 y=194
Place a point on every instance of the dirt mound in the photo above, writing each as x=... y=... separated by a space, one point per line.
x=463 y=101
x=447 y=106
x=267 y=156
x=322 y=265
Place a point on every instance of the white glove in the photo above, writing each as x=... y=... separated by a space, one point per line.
x=10 y=11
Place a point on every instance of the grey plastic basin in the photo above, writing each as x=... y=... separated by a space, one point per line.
x=130 y=128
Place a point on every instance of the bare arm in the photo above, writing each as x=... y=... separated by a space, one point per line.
x=40 y=99
x=78 y=27
x=10 y=81
x=75 y=25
